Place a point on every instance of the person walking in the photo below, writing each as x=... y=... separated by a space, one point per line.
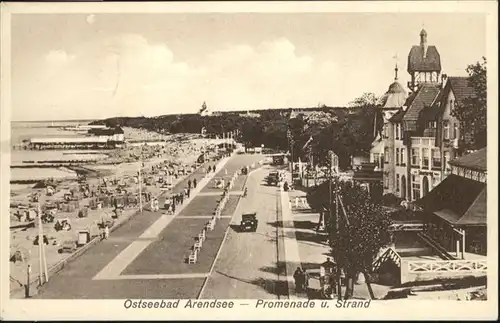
x=189 y=184
x=209 y=169
x=194 y=183
x=106 y=232
x=188 y=192
x=306 y=279
x=299 y=279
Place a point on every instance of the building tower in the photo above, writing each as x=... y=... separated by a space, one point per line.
x=424 y=64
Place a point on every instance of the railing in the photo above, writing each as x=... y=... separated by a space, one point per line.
x=388 y=254
x=422 y=141
x=429 y=266
x=407 y=227
x=443 y=253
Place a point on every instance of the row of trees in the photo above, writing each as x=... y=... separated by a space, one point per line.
x=346 y=131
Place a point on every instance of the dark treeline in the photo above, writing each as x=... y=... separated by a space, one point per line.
x=346 y=131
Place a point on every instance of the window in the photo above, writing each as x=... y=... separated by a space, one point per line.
x=397 y=183
x=403 y=157
x=415 y=184
x=397 y=156
x=396 y=131
x=446 y=130
x=415 y=157
x=385 y=132
x=425 y=157
x=386 y=155
x=455 y=130
x=436 y=158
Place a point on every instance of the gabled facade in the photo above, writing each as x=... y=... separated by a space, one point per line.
x=422 y=136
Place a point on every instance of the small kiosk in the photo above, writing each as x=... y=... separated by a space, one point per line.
x=83 y=237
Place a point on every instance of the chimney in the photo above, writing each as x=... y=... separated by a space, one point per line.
x=444 y=78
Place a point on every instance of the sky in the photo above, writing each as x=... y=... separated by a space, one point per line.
x=92 y=66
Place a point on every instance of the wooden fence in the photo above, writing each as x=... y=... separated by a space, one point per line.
x=435 y=266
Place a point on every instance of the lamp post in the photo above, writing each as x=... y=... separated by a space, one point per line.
x=333 y=166
x=140 y=186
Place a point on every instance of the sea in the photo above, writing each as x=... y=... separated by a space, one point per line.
x=42 y=129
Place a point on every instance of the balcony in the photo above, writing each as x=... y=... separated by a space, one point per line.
x=423 y=141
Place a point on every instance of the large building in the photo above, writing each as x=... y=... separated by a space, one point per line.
x=420 y=134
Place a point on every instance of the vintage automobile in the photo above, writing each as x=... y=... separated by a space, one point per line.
x=249 y=222
x=272 y=178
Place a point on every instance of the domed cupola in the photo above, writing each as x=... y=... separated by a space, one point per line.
x=396 y=95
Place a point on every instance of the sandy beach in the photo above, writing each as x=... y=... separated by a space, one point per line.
x=171 y=161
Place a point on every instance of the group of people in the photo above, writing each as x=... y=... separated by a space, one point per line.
x=193 y=183
x=211 y=169
x=178 y=198
x=301 y=277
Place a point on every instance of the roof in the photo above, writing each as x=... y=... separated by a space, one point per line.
x=430 y=113
x=417 y=62
x=475 y=161
x=395 y=97
x=424 y=97
x=457 y=200
x=378 y=147
x=69 y=140
x=106 y=131
x=461 y=87
x=398 y=116
x=368 y=175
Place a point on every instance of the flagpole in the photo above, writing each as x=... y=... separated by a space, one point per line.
x=140 y=186
x=40 y=241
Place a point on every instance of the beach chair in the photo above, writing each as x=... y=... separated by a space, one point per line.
x=202 y=236
x=198 y=244
x=193 y=257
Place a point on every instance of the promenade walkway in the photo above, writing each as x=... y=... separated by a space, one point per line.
x=145 y=257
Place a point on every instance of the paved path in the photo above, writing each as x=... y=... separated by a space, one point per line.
x=248 y=265
x=129 y=254
x=159 y=268
x=290 y=242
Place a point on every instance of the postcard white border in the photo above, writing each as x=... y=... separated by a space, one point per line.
x=114 y=309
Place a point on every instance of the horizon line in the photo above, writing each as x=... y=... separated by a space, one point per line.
x=173 y=114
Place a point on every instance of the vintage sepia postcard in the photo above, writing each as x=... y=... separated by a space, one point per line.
x=249 y=160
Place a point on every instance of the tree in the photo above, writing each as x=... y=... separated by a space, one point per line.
x=471 y=112
x=355 y=244
x=366 y=99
